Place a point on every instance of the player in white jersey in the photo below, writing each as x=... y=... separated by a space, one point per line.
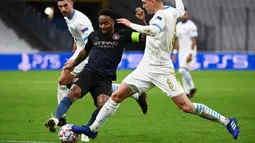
x=80 y=27
x=156 y=69
x=186 y=47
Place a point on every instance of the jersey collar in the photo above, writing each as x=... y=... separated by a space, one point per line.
x=70 y=18
x=167 y=6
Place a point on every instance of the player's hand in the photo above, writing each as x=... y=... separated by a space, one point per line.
x=174 y=58
x=189 y=59
x=74 y=47
x=68 y=67
x=140 y=15
x=124 y=21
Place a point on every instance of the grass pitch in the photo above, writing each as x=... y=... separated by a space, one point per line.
x=28 y=98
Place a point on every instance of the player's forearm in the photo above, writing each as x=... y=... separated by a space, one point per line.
x=81 y=57
x=194 y=43
x=176 y=47
x=180 y=6
x=150 y=30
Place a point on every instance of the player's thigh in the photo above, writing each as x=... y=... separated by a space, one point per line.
x=168 y=84
x=79 y=67
x=84 y=80
x=138 y=81
x=182 y=60
x=65 y=78
x=101 y=90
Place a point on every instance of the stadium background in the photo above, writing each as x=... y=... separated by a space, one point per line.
x=32 y=40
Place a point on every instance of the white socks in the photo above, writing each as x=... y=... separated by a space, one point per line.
x=188 y=83
x=107 y=110
x=207 y=113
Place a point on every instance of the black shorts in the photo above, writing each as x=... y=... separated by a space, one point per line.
x=94 y=83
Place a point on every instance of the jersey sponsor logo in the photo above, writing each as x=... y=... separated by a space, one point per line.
x=106 y=44
x=116 y=36
x=85 y=29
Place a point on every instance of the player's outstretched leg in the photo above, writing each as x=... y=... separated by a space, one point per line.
x=207 y=113
x=106 y=111
x=141 y=99
x=66 y=102
x=62 y=92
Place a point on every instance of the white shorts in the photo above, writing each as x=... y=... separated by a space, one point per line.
x=182 y=58
x=142 y=80
x=79 y=67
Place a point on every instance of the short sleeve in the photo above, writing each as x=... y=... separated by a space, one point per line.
x=127 y=35
x=193 y=31
x=131 y=36
x=84 y=28
x=89 y=44
x=159 y=21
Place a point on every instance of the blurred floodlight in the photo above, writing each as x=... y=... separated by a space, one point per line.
x=48 y=10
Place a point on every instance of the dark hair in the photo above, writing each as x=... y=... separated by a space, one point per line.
x=185 y=8
x=108 y=12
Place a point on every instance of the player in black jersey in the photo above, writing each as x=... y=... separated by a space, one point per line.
x=105 y=48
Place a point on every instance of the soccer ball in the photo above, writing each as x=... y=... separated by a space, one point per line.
x=66 y=135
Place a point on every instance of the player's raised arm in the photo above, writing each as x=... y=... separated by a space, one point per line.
x=180 y=8
x=140 y=15
x=81 y=57
x=150 y=30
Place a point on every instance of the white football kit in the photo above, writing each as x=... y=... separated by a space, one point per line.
x=80 y=27
x=156 y=67
x=185 y=32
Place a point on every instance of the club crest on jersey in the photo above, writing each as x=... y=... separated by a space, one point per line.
x=116 y=36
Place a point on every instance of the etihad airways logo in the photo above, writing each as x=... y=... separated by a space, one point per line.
x=106 y=44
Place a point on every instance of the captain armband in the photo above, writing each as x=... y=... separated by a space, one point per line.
x=135 y=37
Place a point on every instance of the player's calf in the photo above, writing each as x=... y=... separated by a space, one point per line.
x=183 y=103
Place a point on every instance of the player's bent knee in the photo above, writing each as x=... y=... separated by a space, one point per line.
x=101 y=100
x=117 y=98
x=75 y=92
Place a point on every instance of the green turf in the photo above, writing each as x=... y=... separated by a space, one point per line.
x=28 y=98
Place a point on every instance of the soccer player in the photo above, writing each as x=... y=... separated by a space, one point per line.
x=186 y=47
x=105 y=47
x=155 y=70
x=80 y=27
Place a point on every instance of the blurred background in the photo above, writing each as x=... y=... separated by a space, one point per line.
x=33 y=26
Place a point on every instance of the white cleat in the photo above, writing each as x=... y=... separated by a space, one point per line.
x=84 y=138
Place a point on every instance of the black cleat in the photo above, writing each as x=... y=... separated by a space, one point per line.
x=62 y=122
x=192 y=92
x=51 y=124
x=142 y=101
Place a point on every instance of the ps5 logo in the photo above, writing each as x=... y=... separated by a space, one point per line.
x=39 y=61
x=226 y=61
